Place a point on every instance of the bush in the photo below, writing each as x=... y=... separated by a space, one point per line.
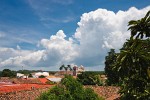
x=30 y=75
x=50 y=83
x=90 y=95
x=69 y=89
x=89 y=78
x=42 y=76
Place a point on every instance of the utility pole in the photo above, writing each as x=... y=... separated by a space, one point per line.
x=22 y=68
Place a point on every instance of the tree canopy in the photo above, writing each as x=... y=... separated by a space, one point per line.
x=112 y=75
x=133 y=61
x=141 y=27
x=69 y=89
x=8 y=73
x=89 y=78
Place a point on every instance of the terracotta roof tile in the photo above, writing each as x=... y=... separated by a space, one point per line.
x=43 y=80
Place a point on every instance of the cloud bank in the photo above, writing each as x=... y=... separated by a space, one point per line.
x=97 y=32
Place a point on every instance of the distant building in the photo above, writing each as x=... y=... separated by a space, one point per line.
x=20 y=75
x=54 y=79
x=75 y=68
x=37 y=74
x=78 y=70
x=59 y=73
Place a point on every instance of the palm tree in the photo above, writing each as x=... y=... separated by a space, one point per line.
x=141 y=27
x=66 y=68
x=69 y=67
x=61 y=67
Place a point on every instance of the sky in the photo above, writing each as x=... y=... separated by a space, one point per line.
x=44 y=34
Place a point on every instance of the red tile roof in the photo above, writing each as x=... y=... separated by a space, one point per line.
x=19 y=87
x=107 y=92
x=43 y=80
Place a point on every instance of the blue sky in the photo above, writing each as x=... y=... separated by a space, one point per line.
x=25 y=24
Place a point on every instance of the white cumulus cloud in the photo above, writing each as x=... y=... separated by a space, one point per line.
x=100 y=30
x=62 y=48
x=97 y=32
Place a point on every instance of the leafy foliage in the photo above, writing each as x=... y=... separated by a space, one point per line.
x=69 y=89
x=97 y=72
x=0 y=73
x=50 y=82
x=133 y=62
x=26 y=72
x=112 y=75
x=141 y=27
x=8 y=73
x=30 y=75
x=89 y=78
x=42 y=76
x=90 y=95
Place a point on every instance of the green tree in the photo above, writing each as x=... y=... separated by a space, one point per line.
x=8 y=73
x=61 y=67
x=132 y=65
x=112 y=75
x=69 y=67
x=133 y=62
x=25 y=72
x=30 y=75
x=69 y=89
x=89 y=78
x=42 y=76
x=139 y=28
x=74 y=87
x=90 y=95
x=0 y=73
x=56 y=93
